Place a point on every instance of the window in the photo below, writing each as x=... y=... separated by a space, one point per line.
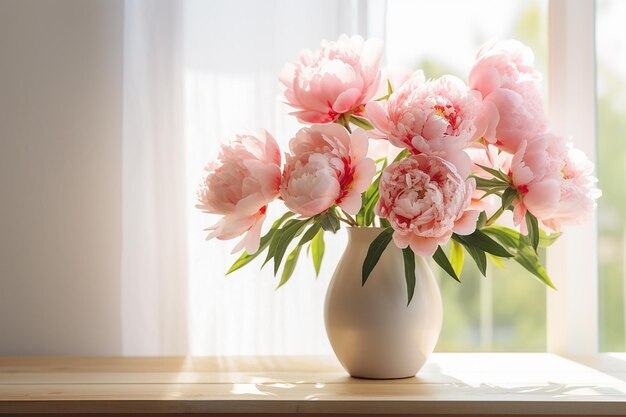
x=611 y=102
x=507 y=310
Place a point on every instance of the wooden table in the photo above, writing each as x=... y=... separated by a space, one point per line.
x=449 y=385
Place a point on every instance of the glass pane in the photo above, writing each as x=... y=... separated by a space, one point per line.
x=611 y=73
x=506 y=311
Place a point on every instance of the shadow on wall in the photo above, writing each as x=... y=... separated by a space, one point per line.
x=60 y=177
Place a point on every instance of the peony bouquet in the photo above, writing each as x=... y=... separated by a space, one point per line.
x=431 y=162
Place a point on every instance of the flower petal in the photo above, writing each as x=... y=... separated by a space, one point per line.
x=466 y=224
x=347 y=100
x=378 y=116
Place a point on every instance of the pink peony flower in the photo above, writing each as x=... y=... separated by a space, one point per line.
x=437 y=117
x=328 y=166
x=503 y=64
x=511 y=89
x=425 y=200
x=578 y=194
x=338 y=78
x=239 y=187
x=537 y=174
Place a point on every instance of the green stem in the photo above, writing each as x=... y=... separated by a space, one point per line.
x=350 y=220
x=344 y=120
x=491 y=220
x=341 y=219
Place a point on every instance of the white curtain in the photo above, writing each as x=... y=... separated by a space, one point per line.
x=195 y=73
x=154 y=237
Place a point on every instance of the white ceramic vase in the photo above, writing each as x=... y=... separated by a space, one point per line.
x=371 y=329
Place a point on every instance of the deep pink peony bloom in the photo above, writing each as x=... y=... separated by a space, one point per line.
x=239 y=187
x=437 y=117
x=511 y=89
x=328 y=166
x=338 y=78
x=425 y=200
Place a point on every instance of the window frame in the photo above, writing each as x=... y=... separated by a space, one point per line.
x=572 y=311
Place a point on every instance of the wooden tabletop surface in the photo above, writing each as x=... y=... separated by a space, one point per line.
x=450 y=384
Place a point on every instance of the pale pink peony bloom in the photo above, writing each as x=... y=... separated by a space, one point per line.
x=578 y=194
x=426 y=200
x=328 y=166
x=511 y=89
x=537 y=173
x=436 y=117
x=239 y=187
x=338 y=78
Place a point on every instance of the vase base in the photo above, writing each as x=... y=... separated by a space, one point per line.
x=382 y=377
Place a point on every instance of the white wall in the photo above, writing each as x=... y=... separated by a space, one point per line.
x=60 y=176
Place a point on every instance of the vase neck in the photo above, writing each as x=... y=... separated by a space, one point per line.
x=363 y=234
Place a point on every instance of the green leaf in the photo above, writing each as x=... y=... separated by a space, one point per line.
x=360 y=216
x=457 y=257
x=522 y=249
x=403 y=154
x=481 y=241
x=369 y=209
x=384 y=222
x=281 y=240
x=317 y=251
x=479 y=257
x=546 y=240
x=376 y=249
x=496 y=191
x=310 y=234
x=361 y=122
x=507 y=197
x=496 y=261
x=282 y=219
x=246 y=258
x=482 y=219
x=533 y=229
x=442 y=260
x=290 y=266
x=489 y=183
x=365 y=216
x=276 y=239
x=330 y=221
x=285 y=239
x=409 y=272
x=389 y=92
x=496 y=173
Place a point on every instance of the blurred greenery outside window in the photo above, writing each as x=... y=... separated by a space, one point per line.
x=611 y=110
x=507 y=310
